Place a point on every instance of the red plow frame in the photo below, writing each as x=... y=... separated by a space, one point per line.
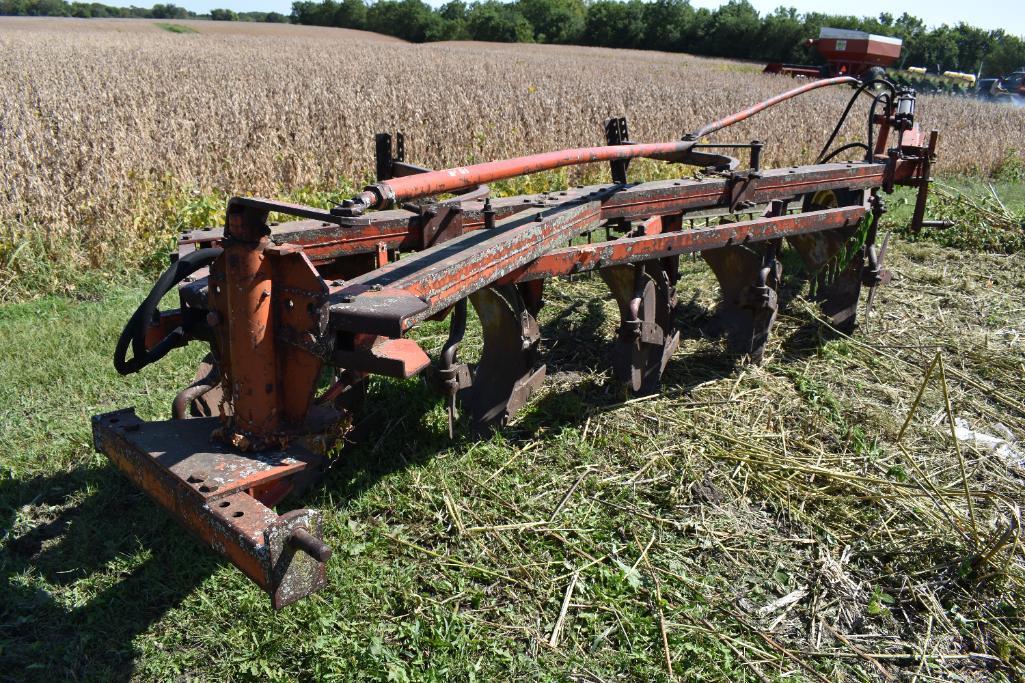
x=298 y=315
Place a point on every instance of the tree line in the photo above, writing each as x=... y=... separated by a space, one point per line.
x=735 y=29
x=96 y=10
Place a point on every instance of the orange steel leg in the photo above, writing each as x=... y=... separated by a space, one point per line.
x=254 y=376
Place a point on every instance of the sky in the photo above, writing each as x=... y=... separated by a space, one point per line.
x=989 y=14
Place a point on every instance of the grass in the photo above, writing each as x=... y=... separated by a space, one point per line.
x=175 y=28
x=749 y=512
x=985 y=214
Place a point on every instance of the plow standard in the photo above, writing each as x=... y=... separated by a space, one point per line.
x=299 y=314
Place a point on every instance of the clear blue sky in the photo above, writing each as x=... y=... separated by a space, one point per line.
x=989 y=14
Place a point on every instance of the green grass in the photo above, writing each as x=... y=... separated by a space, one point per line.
x=175 y=28
x=987 y=215
x=700 y=496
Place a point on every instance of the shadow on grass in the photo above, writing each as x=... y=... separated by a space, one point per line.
x=107 y=563
x=120 y=559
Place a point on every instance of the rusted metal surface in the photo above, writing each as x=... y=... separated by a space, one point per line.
x=204 y=486
x=584 y=257
x=508 y=371
x=248 y=287
x=394 y=297
x=400 y=358
x=749 y=278
x=645 y=340
x=299 y=315
x=201 y=398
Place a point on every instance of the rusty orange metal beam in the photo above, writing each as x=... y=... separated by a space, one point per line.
x=586 y=257
x=202 y=484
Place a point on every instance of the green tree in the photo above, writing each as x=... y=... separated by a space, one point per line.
x=973 y=44
x=611 y=23
x=169 y=11
x=938 y=49
x=223 y=15
x=351 y=14
x=498 y=22
x=410 y=20
x=781 y=35
x=555 y=21
x=668 y=25
x=1008 y=54
x=734 y=30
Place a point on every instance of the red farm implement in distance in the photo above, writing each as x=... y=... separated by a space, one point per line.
x=298 y=315
x=847 y=53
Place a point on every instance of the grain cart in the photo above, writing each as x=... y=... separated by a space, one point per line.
x=847 y=53
x=298 y=315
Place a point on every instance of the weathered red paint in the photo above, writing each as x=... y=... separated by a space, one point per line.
x=584 y=257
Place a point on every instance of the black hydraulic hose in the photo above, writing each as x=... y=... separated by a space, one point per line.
x=135 y=329
x=840 y=150
x=871 y=122
x=846 y=112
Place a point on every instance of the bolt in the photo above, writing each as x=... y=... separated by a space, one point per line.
x=301 y=539
x=213 y=318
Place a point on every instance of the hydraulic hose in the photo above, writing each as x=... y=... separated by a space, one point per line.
x=846 y=112
x=869 y=149
x=134 y=332
x=771 y=102
x=840 y=150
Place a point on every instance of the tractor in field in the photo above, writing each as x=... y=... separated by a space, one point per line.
x=1009 y=88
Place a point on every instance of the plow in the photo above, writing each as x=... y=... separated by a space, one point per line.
x=299 y=314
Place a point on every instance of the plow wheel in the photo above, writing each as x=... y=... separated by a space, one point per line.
x=508 y=371
x=834 y=260
x=645 y=293
x=748 y=278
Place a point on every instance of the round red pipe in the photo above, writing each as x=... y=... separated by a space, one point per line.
x=390 y=192
x=771 y=102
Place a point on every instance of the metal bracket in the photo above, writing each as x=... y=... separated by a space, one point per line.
x=644 y=294
x=508 y=371
x=385 y=155
x=616 y=134
x=740 y=185
x=748 y=278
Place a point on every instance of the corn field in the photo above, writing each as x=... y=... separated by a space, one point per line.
x=112 y=128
